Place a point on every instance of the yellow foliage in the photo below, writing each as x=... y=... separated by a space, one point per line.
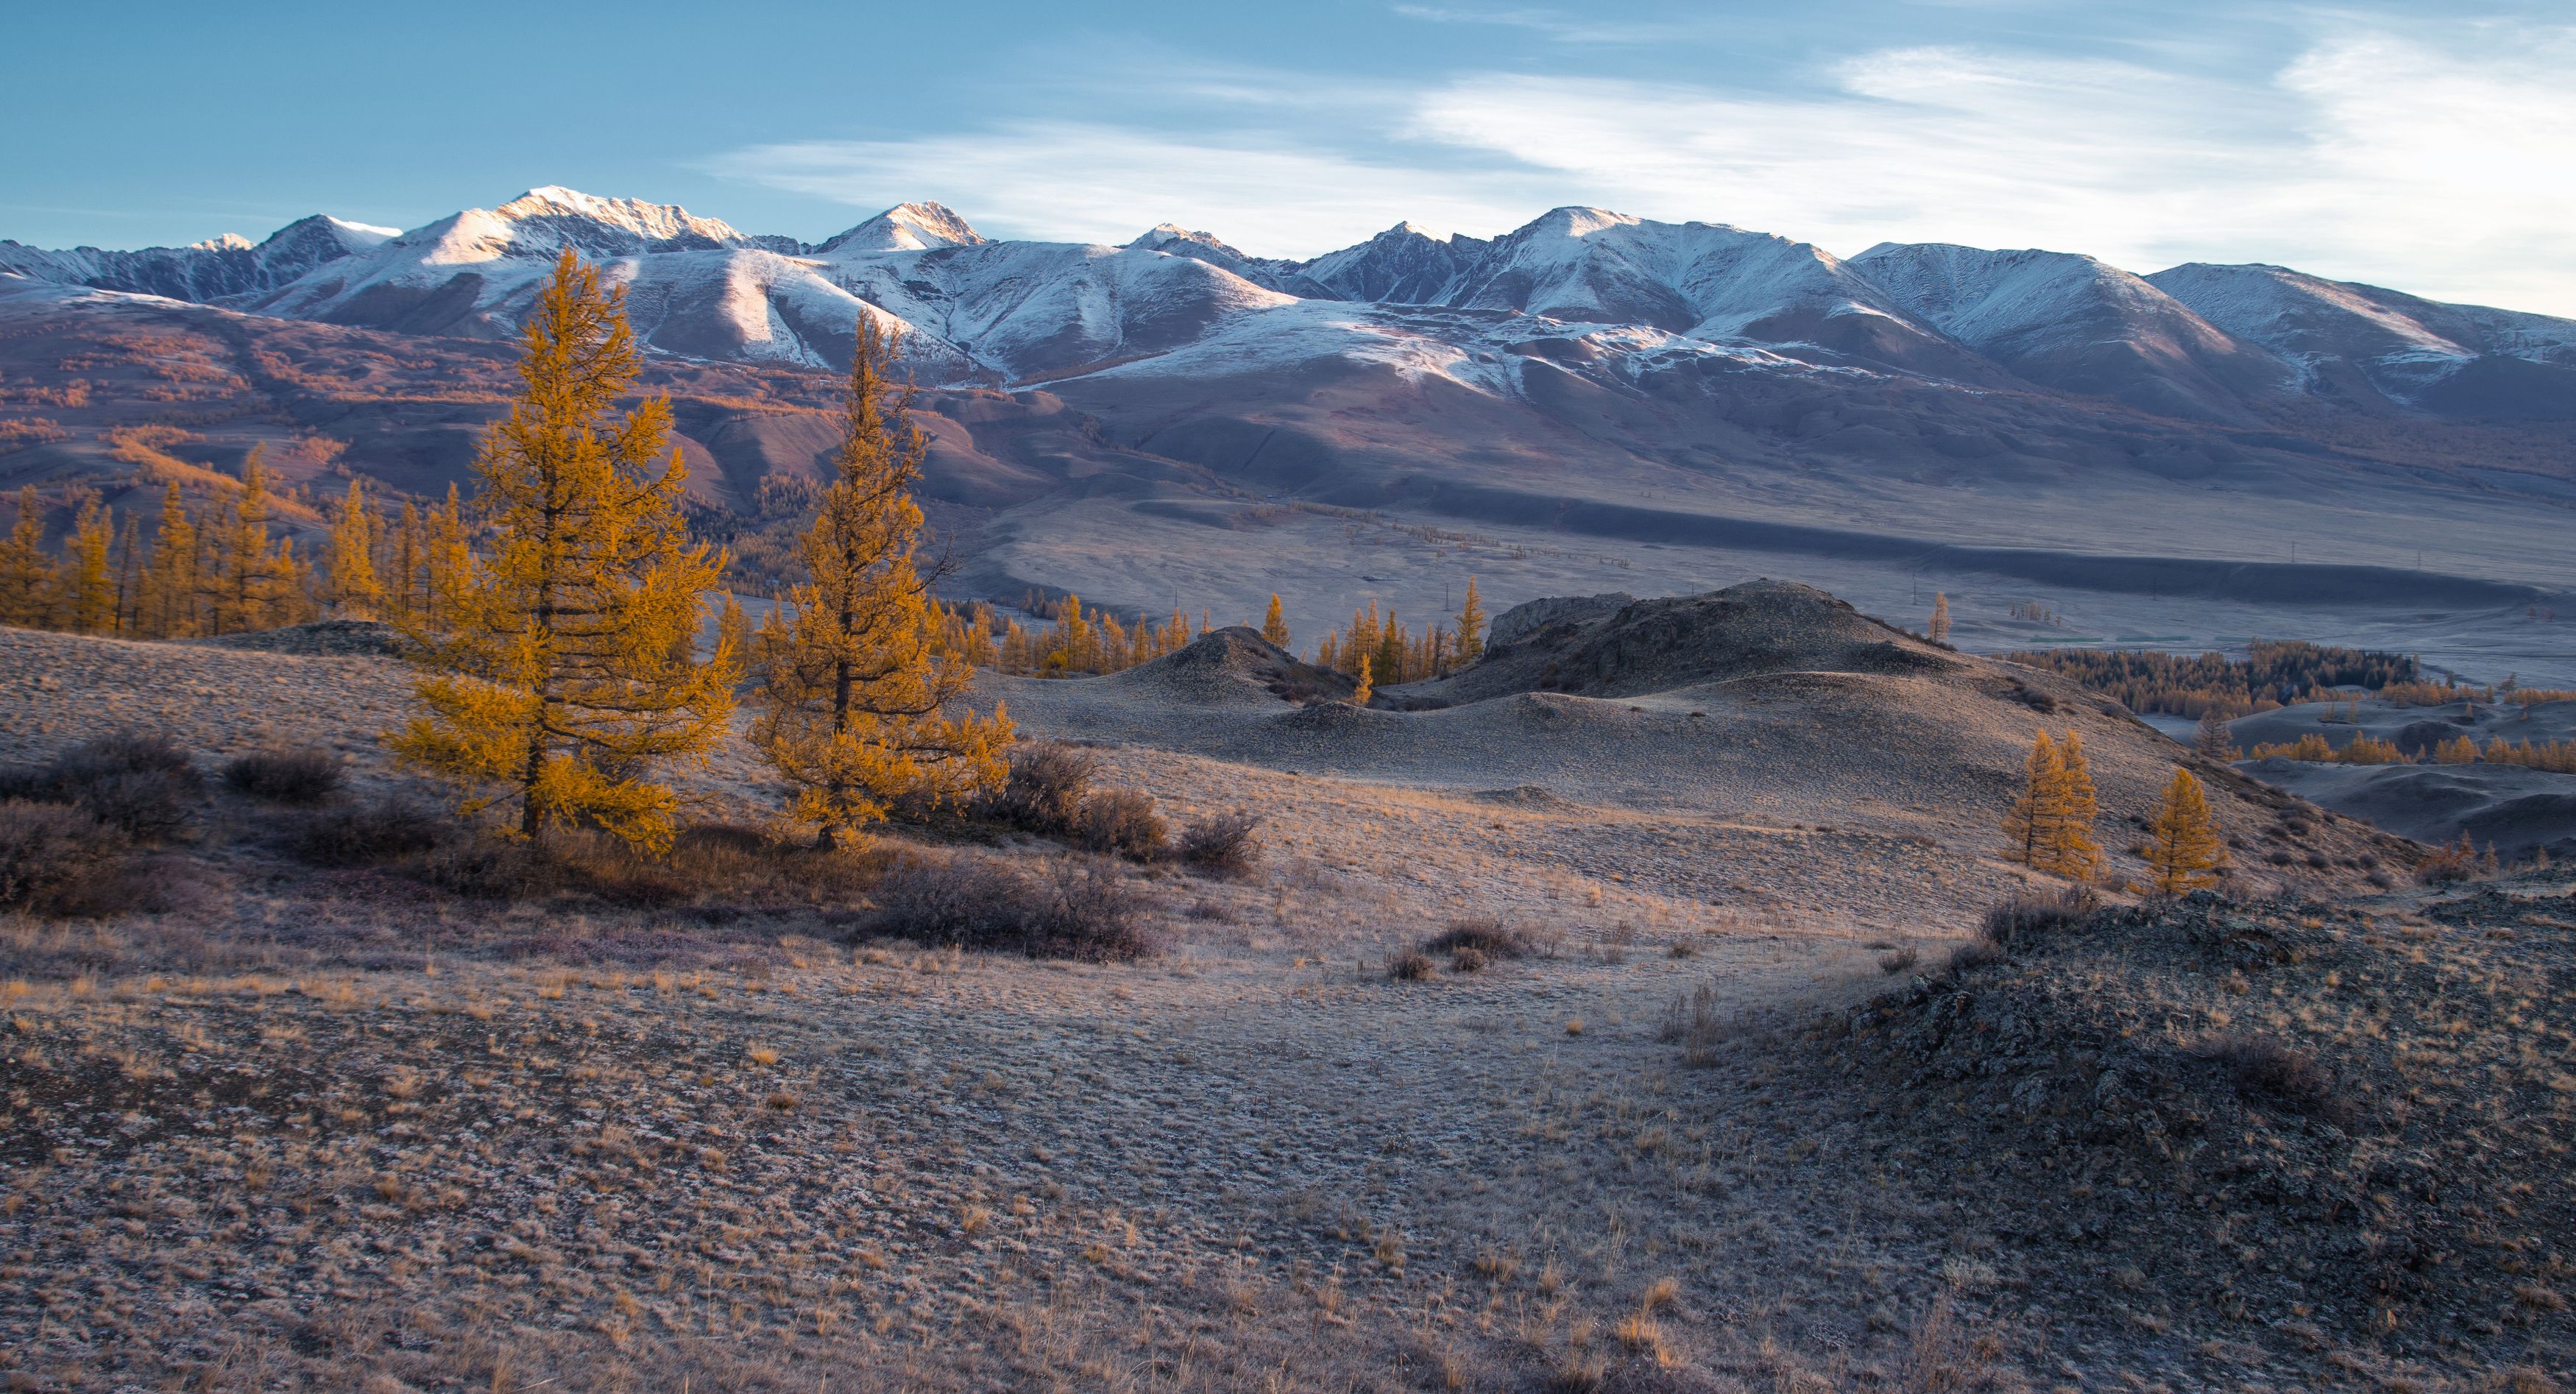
x=858 y=706
x=2050 y=825
x=558 y=668
x=1274 y=625
x=1360 y=695
x=25 y=577
x=351 y=561
x=2183 y=848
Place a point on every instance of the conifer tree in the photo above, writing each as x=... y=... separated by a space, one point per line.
x=88 y=585
x=1360 y=694
x=1937 y=629
x=2073 y=853
x=169 y=602
x=25 y=577
x=1274 y=625
x=2213 y=739
x=2031 y=826
x=1471 y=625
x=129 y=575
x=351 y=562
x=2183 y=848
x=857 y=706
x=1390 y=651
x=733 y=628
x=252 y=579
x=552 y=677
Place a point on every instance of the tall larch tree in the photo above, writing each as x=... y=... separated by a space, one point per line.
x=1937 y=629
x=2031 y=825
x=857 y=706
x=2183 y=848
x=2213 y=738
x=1360 y=695
x=349 y=564
x=1274 y=625
x=1471 y=625
x=169 y=602
x=2073 y=853
x=26 y=578
x=554 y=674
x=253 y=584
x=88 y=585
x=129 y=575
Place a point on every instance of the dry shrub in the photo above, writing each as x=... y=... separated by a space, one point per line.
x=1692 y=1022
x=380 y=832
x=1122 y=822
x=1899 y=960
x=2031 y=913
x=1072 y=907
x=302 y=775
x=2456 y=862
x=59 y=861
x=143 y=786
x=1408 y=965
x=1979 y=952
x=1491 y=939
x=2269 y=1067
x=489 y=868
x=1223 y=846
x=1044 y=791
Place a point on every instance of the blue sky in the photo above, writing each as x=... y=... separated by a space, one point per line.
x=2430 y=148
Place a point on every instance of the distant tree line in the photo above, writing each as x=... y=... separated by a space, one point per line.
x=2274 y=673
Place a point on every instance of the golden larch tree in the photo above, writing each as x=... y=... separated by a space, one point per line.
x=733 y=627
x=351 y=560
x=1360 y=694
x=2073 y=853
x=557 y=671
x=169 y=603
x=2031 y=825
x=1274 y=625
x=26 y=577
x=1937 y=629
x=253 y=584
x=88 y=585
x=858 y=706
x=2183 y=848
x=1471 y=625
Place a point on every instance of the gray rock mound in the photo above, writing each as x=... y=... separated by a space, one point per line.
x=1616 y=646
x=326 y=638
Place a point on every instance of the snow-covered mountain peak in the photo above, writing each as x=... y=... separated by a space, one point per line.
x=656 y=226
x=907 y=227
x=1161 y=236
x=1576 y=220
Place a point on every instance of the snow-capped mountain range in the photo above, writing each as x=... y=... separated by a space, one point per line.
x=1577 y=289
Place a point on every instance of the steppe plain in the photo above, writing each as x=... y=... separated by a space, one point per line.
x=1734 y=1123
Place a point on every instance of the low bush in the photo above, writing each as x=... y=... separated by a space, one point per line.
x=1223 y=846
x=142 y=786
x=1490 y=938
x=1977 y=953
x=1122 y=822
x=2036 y=912
x=1692 y=1022
x=1044 y=791
x=61 y=862
x=2268 y=1067
x=293 y=775
x=1408 y=965
x=1899 y=960
x=1073 y=907
x=370 y=835
x=488 y=868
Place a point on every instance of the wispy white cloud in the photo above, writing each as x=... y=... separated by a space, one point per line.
x=1554 y=24
x=2443 y=168
x=1091 y=183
